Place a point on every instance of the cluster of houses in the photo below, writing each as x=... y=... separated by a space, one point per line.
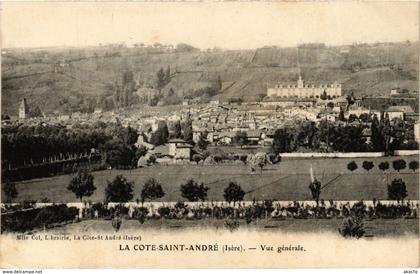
x=219 y=122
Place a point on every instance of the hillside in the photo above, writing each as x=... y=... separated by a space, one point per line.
x=67 y=79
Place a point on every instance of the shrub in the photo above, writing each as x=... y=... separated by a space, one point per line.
x=140 y=214
x=232 y=225
x=352 y=228
x=164 y=211
x=22 y=221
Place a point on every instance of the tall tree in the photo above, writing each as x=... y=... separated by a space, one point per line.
x=233 y=193
x=160 y=136
x=282 y=139
x=152 y=190
x=315 y=188
x=82 y=184
x=10 y=191
x=119 y=190
x=177 y=130
x=167 y=75
x=188 y=132
x=193 y=191
x=397 y=190
x=161 y=79
x=378 y=139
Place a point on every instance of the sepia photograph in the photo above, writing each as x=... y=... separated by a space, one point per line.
x=209 y=134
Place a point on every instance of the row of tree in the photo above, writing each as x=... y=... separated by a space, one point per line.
x=327 y=136
x=42 y=144
x=398 y=165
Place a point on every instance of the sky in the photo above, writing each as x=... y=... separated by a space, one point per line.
x=231 y=25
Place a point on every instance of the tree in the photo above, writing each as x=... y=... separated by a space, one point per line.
x=233 y=193
x=397 y=190
x=383 y=166
x=341 y=116
x=365 y=117
x=168 y=76
x=257 y=160
x=315 y=188
x=177 y=130
x=197 y=158
x=352 y=166
x=188 y=132
x=367 y=165
x=352 y=118
x=413 y=165
x=161 y=78
x=218 y=85
x=202 y=142
x=281 y=141
x=160 y=136
x=151 y=190
x=193 y=191
x=240 y=138
x=10 y=191
x=324 y=96
x=119 y=190
x=399 y=164
x=82 y=184
x=378 y=138
x=118 y=154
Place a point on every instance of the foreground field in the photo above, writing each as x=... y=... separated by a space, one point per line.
x=287 y=180
x=374 y=228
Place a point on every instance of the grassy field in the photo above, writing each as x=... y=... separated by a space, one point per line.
x=287 y=180
x=375 y=228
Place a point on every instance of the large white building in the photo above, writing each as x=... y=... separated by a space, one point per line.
x=304 y=91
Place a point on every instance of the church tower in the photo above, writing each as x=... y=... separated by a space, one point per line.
x=300 y=82
x=23 y=109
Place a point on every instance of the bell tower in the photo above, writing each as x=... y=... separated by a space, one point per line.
x=300 y=82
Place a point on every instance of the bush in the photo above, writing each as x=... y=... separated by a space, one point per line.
x=164 y=211
x=352 y=228
x=140 y=214
x=22 y=221
x=232 y=225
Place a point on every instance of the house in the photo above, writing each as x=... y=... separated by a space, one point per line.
x=179 y=149
x=399 y=112
x=416 y=132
